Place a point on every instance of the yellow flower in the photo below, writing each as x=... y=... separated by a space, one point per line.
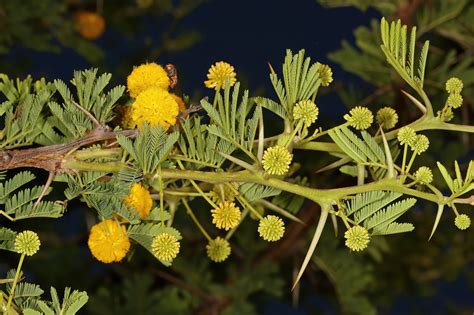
x=325 y=74
x=306 y=111
x=357 y=238
x=454 y=85
x=462 y=221
x=420 y=144
x=218 y=74
x=218 y=249
x=387 y=118
x=165 y=247
x=156 y=107
x=226 y=216
x=148 y=75
x=271 y=228
x=108 y=241
x=27 y=243
x=454 y=100
x=276 y=160
x=139 y=198
x=406 y=135
x=424 y=175
x=360 y=118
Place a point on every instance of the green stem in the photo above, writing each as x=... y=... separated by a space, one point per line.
x=112 y=167
x=15 y=281
x=405 y=150
x=360 y=174
x=97 y=153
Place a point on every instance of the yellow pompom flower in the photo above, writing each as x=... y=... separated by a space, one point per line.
x=357 y=238
x=424 y=175
x=462 y=222
x=146 y=76
x=218 y=74
x=406 y=135
x=325 y=74
x=108 y=241
x=276 y=160
x=454 y=100
x=454 y=85
x=305 y=111
x=156 y=107
x=27 y=243
x=226 y=216
x=360 y=118
x=420 y=144
x=387 y=118
x=218 y=249
x=165 y=247
x=139 y=198
x=271 y=228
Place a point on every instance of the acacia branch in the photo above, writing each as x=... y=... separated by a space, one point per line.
x=50 y=158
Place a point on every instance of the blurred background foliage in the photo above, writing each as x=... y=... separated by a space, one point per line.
x=403 y=274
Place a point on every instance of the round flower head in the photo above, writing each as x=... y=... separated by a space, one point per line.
x=420 y=144
x=271 y=228
x=360 y=118
x=145 y=76
x=226 y=216
x=387 y=118
x=218 y=249
x=305 y=111
x=108 y=241
x=27 y=243
x=454 y=85
x=165 y=247
x=217 y=75
x=325 y=74
x=357 y=238
x=276 y=160
x=454 y=100
x=156 y=107
x=90 y=25
x=139 y=198
x=424 y=175
x=406 y=135
x=462 y=222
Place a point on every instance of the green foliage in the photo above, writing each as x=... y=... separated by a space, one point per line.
x=229 y=119
x=150 y=148
x=376 y=211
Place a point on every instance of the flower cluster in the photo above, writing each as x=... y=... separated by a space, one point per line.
x=357 y=238
x=424 y=175
x=271 y=228
x=218 y=74
x=154 y=104
x=165 y=247
x=108 y=241
x=325 y=74
x=454 y=88
x=139 y=199
x=276 y=160
x=387 y=118
x=27 y=243
x=359 y=117
x=226 y=216
x=462 y=221
x=305 y=111
x=218 y=249
x=406 y=135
